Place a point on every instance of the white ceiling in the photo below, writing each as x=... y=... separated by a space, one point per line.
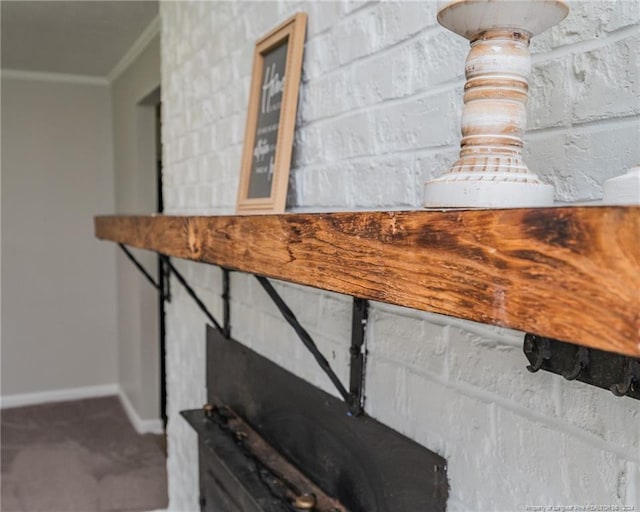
x=72 y=37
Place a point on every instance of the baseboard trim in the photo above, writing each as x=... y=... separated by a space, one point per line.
x=57 y=395
x=141 y=426
x=64 y=395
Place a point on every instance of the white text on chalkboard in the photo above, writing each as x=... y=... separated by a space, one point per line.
x=262 y=169
x=271 y=86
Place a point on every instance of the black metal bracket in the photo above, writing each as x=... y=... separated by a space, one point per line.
x=226 y=302
x=166 y=275
x=354 y=398
x=617 y=373
x=158 y=286
x=358 y=354
x=164 y=289
x=192 y=293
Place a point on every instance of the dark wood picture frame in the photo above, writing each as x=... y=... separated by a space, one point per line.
x=265 y=167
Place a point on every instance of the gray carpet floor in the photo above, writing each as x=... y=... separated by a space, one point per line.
x=79 y=456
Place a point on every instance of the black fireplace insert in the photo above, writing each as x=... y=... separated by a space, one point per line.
x=269 y=441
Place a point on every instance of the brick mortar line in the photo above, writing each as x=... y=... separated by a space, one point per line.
x=586 y=126
x=374 y=54
x=421 y=93
x=415 y=152
x=555 y=423
x=424 y=92
x=532 y=134
x=249 y=38
x=511 y=337
x=580 y=46
x=608 y=39
x=340 y=16
x=567 y=49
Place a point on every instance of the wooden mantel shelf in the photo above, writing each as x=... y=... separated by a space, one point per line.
x=566 y=273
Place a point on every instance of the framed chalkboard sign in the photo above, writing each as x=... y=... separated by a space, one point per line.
x=271 y=119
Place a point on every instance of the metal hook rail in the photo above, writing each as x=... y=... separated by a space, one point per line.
x=617 y=373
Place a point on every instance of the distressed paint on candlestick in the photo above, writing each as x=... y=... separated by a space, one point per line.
x=490 y=171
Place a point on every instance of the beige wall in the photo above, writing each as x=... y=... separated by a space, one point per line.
x=58 y=281
x=133 y=95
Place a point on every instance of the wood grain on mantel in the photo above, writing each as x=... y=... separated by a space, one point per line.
x=568 y=273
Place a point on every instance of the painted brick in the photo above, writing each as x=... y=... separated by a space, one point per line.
x=601 y=152
x=471 y=359
x=401 y=20
x=308 y=147
x=321 y=56
x=461 y=428
x=379 y=114
x=335 y=317
x=411 y=342
x=633 y=487
x=393 y=186
x=317 y=186
x=303 y=364
x=588 y=21
x=592 y=475
x=322 y=16
x=535 y=451
x=248 y=324
x=589 y=409
x=371 y=81
x=264 y=16
x=607 y=81
x=348 y=136
x=431 y=164
x=262 y=301
x=359 y=35
x=549 y=96
x=243 y=287
x=221 y=75
x=386 y=394
x=304 y=302
x=437 y=57
x=351 y=6
x=401 y=126
x=278 y=341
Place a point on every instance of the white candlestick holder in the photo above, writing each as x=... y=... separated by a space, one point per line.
x=491 y=171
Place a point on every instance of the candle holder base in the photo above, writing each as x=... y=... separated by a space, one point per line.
x=475 y=193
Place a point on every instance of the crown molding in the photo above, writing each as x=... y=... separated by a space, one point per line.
x=152 y=30
x=41 y=76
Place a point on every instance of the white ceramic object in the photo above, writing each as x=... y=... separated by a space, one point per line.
x=490 y=171
x=623 y=189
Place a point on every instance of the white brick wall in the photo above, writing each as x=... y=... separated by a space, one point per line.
x=379 y=113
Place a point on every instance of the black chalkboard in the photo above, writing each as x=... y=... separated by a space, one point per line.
x=266 y=135
x=271 y=118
